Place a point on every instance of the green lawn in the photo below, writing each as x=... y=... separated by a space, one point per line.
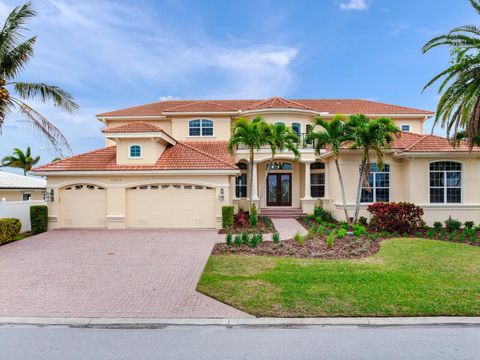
x=407 y=277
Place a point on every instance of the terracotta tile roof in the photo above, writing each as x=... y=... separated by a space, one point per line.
x=332 y=106
x=133 y=127
x=182 y=156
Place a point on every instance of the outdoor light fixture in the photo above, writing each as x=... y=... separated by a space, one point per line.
x=221 y=197
x=49 y=196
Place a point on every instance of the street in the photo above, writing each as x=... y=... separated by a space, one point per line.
x=218 y=342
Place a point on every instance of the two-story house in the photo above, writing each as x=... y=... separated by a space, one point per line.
x=166 y=165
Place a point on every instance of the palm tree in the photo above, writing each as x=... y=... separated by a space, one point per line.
x=252 y=134
x=280 y=138
x=459 y=106
x=333 y=134
x=21 y=160
x=370 y=136
x=15 y=53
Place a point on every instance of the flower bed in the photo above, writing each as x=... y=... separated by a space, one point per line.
x=264 y=226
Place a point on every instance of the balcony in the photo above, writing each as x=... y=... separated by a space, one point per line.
x=303 y=144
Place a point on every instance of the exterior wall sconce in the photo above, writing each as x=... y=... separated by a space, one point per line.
x=221 y=197
x=49 y=195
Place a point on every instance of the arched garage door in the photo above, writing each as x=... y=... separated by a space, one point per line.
x=84 y=206
x=171 y=206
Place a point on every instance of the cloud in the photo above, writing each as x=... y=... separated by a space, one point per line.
x=358 y=5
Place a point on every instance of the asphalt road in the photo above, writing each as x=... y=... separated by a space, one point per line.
x=217 y=342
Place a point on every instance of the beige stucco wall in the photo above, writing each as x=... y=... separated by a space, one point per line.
x=17 y=195
x=151 y=150
x=117 y=185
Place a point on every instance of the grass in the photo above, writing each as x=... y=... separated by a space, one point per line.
x=407 y=277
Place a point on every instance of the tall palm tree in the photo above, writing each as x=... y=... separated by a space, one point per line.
x=370 y=136
x=21 y=160
x=15 y=53
x=252 y=134
x=333 y=134
x=279 y=138
x=459 y=105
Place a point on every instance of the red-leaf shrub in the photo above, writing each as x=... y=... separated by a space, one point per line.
x=241 y=218
x=396 y=217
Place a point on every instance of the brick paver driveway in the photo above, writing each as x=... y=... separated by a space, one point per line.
x=114 y=273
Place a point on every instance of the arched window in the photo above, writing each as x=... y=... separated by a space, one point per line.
x=280 y=166
x=309 y=129
x=317 y=179
x=297 y=128
x=200 y=127
x=279 y=123
x=241 y=181
x=445 y=182
x=379 y=185
x=135 y=151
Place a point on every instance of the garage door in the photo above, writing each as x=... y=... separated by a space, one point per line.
x=84 y=206
x=171 y=206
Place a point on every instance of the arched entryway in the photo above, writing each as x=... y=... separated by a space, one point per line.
x=279 y=184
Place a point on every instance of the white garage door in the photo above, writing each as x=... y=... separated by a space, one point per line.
x=171 y=206
x=84 y=206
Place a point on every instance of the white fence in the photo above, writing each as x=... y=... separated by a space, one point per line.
x=19 y=210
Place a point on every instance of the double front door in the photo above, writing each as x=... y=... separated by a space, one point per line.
x=279 y=189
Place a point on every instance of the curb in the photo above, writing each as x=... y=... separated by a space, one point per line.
x=231 y=322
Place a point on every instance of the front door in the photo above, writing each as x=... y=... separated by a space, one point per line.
x=279 y=190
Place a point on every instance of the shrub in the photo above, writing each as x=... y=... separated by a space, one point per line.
x=268 y=223
x=228 y=239
x=452 y=236
x=227 y=216
x=276 y=238
x=320 y=230
x=341 y=233
x=253 y=217
x=311 y=217
x=469 y=232
x=318 y=212
x=396 y=217
x=324 y=215
x=330 y=239
x=241 y=219
x=319 y=219
x=299 y=238
x=363 y=221
x=431 y=233
x=343 y=225
x=468 y=224
x=255 y=239
x=452 y=224
x=9 y=229
x=245 y=238
x=38 y=218
x=237 y=241
x=476 y=228
x=437 y=225
x=359 y=230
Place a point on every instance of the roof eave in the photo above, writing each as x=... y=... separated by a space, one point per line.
x=139 y=172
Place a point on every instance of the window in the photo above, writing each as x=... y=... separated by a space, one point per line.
x=200 y=127
x=445 y=182
x=406 y=128
x=135 y=151
x=317 y=179
x=280 y=166
x=280 y=123
x=26 y=196
x=297 y=128
x=379 y=181
x=241 y=181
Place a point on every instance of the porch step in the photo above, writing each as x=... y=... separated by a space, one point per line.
x=282 y=213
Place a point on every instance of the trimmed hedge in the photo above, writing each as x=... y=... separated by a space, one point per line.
x=396 y=217
x=227 y=216
x=39 y=218
x=9 y=229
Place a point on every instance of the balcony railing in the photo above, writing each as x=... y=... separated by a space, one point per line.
x=302 y=145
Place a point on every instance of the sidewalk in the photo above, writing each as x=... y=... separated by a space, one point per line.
x=287 y=228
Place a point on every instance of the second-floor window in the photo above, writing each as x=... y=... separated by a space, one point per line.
x=406 y=128
x=297 y=128
x=200 y=127
x=135 y=151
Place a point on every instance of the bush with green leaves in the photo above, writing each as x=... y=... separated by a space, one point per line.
x=310 y=217
x=468 y=224
x=341 y=233
x=324 y=215
x=9 y=229
x=276 y=238
x=227 y=216
x=331 y=239
x=431 y=233
x=359 y=230
x=237 y=241
x=476 y=228
x=253 y=216
x=255 y=240
x=245 y=238
x=299 y=238
x=362 y=220
x=229 y=239
x=452 y=224
x=38 y=219
x=343 y=225
x=437 y=225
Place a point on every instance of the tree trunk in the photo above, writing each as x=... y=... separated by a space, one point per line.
x=250 y=183
x=342 y=188
x=264 y=184
x=359 y=191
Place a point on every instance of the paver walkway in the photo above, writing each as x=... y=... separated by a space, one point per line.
x=109 y=273
x=287 y=228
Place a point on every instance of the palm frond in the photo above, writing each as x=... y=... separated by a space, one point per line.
x=45 y=92
x=14 y=60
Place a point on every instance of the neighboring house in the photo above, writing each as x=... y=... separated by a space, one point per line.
x=15 y=187
x=165 y=165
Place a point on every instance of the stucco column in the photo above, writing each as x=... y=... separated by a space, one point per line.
x=254 y=193
x=307 y=189
x=116 y=208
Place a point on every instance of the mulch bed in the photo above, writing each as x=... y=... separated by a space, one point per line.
x=349 y=247
x=264 y=226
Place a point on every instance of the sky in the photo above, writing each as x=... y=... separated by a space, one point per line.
x=116 y=54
